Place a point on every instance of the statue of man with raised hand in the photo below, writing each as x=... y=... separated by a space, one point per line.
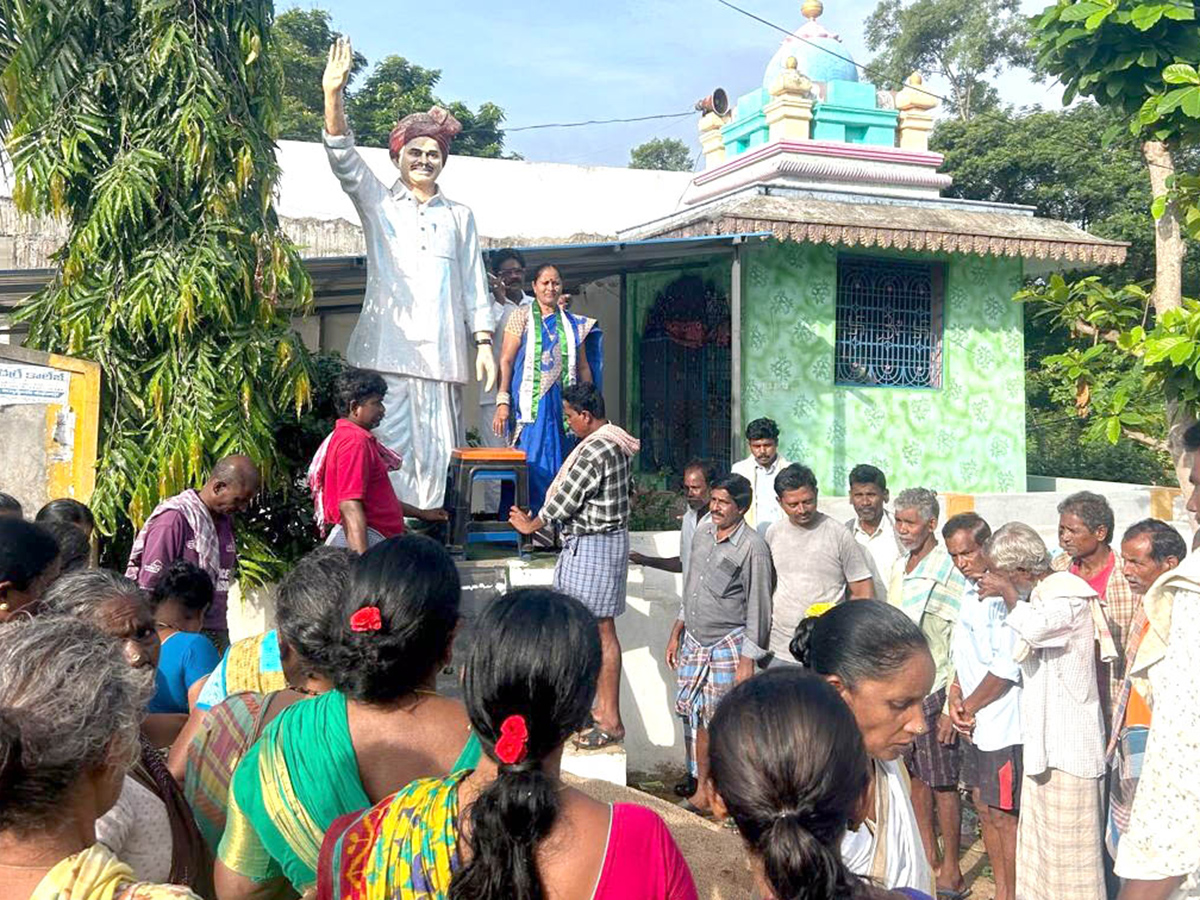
x=425 y=279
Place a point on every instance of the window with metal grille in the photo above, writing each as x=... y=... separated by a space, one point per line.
x=889 y=323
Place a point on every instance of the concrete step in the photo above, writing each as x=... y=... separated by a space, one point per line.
x=607 y=764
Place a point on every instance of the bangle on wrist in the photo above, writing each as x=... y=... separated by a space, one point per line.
x=503 y=398
x=483 y=342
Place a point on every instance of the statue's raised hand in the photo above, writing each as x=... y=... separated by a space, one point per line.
x=338 y=66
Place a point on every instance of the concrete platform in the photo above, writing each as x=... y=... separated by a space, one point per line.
x=609 y=764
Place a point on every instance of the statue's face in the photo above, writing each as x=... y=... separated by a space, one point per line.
x=421 y=162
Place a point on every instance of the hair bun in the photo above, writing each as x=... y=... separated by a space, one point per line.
x=802 y=639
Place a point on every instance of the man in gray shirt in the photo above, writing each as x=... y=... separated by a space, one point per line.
x=725 y=619
x=816 y=559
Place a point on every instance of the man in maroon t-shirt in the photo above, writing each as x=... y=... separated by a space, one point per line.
x=349 y=476
x=197 y=526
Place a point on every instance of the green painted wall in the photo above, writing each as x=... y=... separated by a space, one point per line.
x=967 y=436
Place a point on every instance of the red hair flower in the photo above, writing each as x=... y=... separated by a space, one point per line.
x=366 y=619
x=514 y=740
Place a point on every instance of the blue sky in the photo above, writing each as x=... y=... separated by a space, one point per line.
x=571 y=60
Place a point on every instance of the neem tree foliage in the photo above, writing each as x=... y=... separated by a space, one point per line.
x=147 y=125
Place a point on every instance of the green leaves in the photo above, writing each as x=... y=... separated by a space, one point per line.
x=1120 y=52
x=1180 y=73
x=147 y=128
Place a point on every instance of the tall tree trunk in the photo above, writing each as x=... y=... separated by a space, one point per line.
x=1168 y=292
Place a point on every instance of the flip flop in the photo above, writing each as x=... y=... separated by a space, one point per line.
x=596 y=738
x=951 y=894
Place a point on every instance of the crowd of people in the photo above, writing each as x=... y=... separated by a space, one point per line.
x=1034 y=689
x=838 y=685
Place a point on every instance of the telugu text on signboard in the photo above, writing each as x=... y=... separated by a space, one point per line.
x=22 y=384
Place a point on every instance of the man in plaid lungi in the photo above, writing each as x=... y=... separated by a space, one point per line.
x=724 y=623
x=589 y=500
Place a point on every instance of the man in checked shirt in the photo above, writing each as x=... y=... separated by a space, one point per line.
x=589 y=501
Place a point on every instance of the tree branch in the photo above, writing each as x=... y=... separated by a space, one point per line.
x=1081 y=327
x=1139 y=437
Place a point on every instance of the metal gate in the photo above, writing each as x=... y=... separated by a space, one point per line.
x=685 y=378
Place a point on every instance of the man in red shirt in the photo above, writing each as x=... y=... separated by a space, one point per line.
x=349 y=476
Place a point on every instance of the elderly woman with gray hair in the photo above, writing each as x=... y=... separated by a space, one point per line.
x=69 y=713
x=151 y=804
x=1058 y=620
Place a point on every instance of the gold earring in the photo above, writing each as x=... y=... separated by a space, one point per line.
x=3 y=607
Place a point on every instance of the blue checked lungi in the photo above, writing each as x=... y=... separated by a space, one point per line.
x=705 y=675
x=594 y=568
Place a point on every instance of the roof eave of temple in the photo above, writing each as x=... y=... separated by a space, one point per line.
x=895 y=227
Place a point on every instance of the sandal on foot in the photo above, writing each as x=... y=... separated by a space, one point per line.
x=596 y=738
x=951 y=894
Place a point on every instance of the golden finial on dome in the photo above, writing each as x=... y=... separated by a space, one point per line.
x=790 y=81
x=812 y=8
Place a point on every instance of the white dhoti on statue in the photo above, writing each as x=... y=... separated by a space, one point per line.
x=425 y=282
x=423 y=424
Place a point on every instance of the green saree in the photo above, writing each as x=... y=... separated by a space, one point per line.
x=290 y=786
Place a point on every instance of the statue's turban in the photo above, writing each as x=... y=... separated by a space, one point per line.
x=438 y=124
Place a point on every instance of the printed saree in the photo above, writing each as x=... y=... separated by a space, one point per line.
x=229 y=729
x=97 y=874
x=403 y=848
x=291 y=785
x=253 y=664
x=540 y=372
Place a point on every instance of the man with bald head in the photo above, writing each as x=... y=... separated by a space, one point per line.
x=197 y=526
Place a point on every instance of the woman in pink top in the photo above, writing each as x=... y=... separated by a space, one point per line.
x=511 y=829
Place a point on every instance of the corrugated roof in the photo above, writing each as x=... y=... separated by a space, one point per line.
x=931 y=226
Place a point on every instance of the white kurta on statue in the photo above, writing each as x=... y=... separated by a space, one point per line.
x=425 y=280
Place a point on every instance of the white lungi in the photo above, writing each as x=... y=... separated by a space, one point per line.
x=423 y=424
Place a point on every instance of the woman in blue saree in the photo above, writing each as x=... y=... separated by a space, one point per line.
x=533 y=371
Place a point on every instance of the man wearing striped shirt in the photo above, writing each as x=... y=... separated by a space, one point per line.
x=589 y=501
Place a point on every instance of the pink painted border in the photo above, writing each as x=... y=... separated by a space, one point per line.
x=824 y=148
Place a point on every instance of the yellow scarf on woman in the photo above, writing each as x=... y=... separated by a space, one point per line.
x=97 y=874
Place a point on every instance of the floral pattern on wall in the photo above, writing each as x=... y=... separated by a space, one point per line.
x=968 y=435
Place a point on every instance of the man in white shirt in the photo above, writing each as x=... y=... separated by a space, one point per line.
x=872 y=525
x=1159 y=853
x=1059 y=838
x=507 y=283
x=984 y=702
x=760 y=469
x=816 y=560
x=425 y=281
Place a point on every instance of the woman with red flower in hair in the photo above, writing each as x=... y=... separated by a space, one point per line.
x=382 y=726
x=511 y=828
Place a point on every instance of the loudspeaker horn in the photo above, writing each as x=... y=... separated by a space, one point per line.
x=716 y=102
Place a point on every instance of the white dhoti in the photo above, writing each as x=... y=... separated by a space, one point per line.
x=424 y=425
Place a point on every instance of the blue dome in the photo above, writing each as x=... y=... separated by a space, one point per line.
x=811 y=60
